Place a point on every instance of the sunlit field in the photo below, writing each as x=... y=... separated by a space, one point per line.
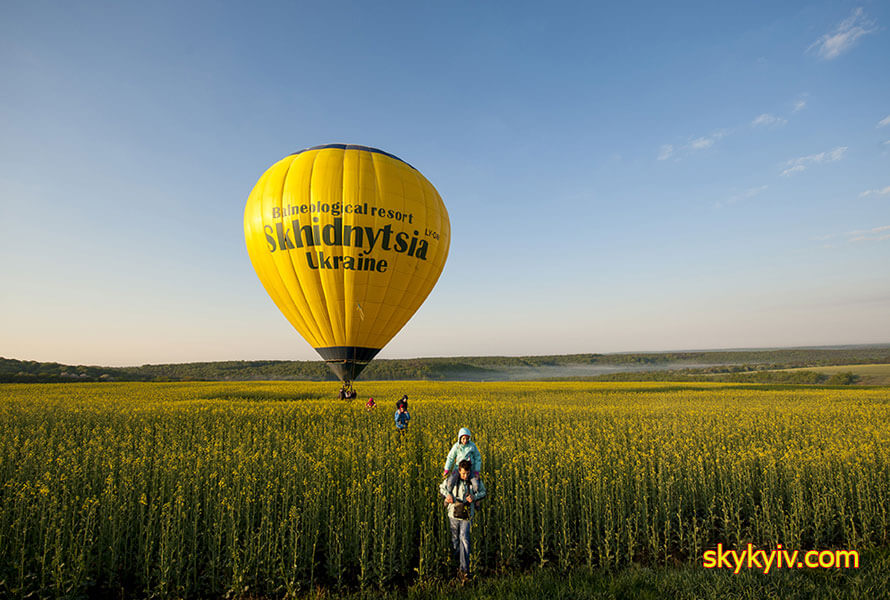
x=274 y=489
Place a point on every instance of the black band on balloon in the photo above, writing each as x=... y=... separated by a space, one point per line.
x=347 y=361
x=353 y=147
x=354 y=353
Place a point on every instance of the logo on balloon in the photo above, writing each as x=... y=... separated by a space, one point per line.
x=296 y=236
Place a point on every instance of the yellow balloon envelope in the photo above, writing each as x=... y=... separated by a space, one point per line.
x=348 y=241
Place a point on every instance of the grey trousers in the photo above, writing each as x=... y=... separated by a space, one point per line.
x=460 y=541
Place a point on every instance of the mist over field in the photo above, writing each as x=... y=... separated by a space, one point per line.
x=531 y=373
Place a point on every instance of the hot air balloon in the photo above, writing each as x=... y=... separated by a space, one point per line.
x=348 y=241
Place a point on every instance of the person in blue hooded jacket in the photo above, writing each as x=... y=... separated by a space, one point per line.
x=463 y=449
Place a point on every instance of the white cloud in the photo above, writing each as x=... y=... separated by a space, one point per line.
x=705 y=142
x=797 y=165
x=831 y=45
x=884 y=122
x=882 y=192
x=665 y=152
x=837 y=153
x=700 y=143
x=799 y=105
x=768 y=119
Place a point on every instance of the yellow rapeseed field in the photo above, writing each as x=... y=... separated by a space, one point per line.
x=208 y=489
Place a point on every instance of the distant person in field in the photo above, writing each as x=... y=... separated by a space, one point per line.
x=463 y=450
x=402 y=417
x=460 y=501
x=403 y=401
x=370 y=403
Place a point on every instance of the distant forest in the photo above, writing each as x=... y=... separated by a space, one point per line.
x=728 y=365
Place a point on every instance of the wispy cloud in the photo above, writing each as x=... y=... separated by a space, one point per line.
x=798 y=165
x=741 y=196
x=843 y=36
x=701 y=143
x=665 y=152
x=767 y=119
x=875 y=234
x=881 y=192
x=694 y=145
x=705 y=142
x=884 y=122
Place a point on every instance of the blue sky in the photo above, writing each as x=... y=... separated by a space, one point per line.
x=623 y=178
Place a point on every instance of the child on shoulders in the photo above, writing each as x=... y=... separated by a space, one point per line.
x=463 y=449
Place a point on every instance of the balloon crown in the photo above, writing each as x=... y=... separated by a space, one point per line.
x=353 y=147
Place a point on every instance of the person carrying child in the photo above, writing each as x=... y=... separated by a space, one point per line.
x=461 y=499
x=463 y=449
x=402 y=417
